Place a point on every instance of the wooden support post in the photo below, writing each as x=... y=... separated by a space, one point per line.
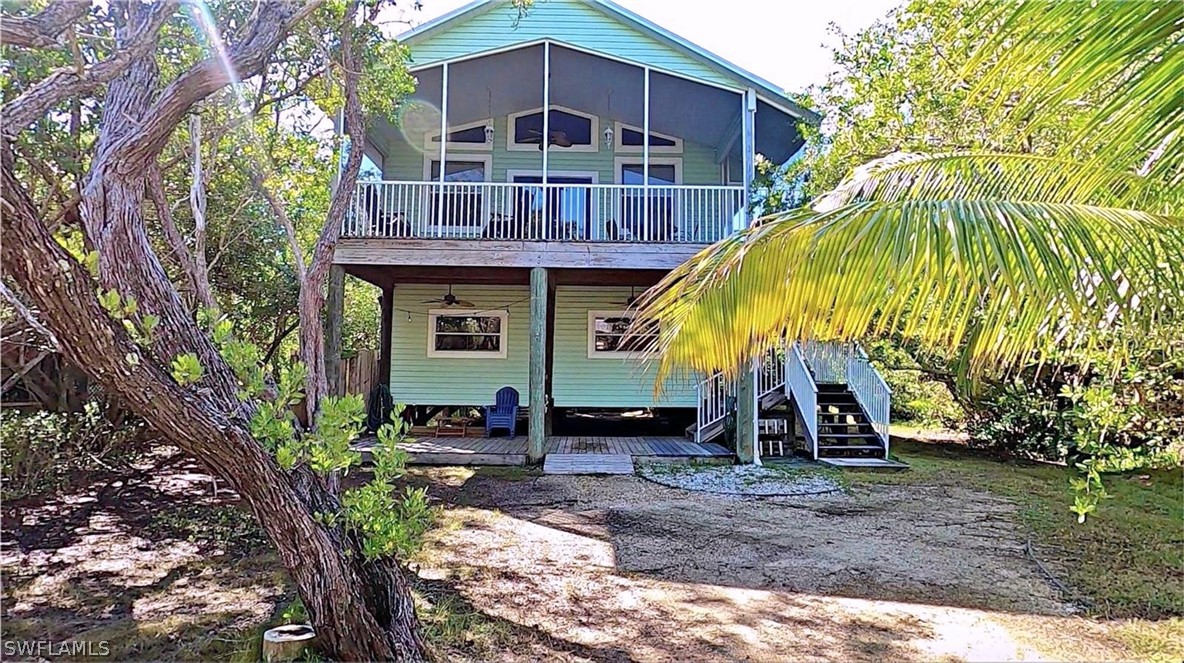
x=334 y=320
x=387 y=327
x=746 y=415
x=537 y=442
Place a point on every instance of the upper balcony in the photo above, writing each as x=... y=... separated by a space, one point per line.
x=560 y=212
x=549 y=155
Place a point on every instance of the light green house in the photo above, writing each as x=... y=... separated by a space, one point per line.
x=506 y=264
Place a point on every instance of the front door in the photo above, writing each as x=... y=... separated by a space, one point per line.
x=458 y=208
x=562 y=212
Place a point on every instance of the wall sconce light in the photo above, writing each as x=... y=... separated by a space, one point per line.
x=488 y=133
x=608 y=137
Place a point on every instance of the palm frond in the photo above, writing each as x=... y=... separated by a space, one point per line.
x=997 y=280
x=1123 y=59
x=992 y=176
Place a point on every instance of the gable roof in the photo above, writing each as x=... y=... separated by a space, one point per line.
x=766 y=90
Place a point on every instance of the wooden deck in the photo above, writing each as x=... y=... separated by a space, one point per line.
x=512 y=451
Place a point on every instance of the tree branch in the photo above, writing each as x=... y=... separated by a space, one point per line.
x=28 y=316
x=269 y=27
x=68 y=82
x=42 y=30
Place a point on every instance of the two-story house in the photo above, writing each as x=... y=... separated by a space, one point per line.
x=549 y=168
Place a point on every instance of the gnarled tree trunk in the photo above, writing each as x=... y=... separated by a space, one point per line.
x=362 y=610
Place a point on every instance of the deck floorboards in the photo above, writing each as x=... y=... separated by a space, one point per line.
x=428 y=450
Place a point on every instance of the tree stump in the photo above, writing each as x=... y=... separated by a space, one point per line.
x=287 y=643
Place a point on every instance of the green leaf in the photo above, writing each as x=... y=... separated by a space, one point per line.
x=187 y=369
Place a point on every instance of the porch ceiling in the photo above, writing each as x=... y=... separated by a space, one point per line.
x=510 y=81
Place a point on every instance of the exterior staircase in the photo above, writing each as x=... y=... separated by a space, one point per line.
x=844 y=430
x=825 y=401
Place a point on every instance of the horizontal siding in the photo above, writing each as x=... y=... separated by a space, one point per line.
x=580 y=381
x=417 y=379
x=577 y=380
x=569 y=21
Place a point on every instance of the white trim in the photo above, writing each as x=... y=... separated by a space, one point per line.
x=486 y=159
x=619 y=162
x=618 y=146
x=511 y=174
x=530 y=147
x=503 y=336
x=430 y=145
x=593 y=353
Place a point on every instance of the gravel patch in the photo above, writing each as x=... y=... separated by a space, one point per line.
x=740 y=479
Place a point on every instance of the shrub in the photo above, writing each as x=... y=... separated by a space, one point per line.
x=1117 y=407
x=42 y=449
x=1023 y=421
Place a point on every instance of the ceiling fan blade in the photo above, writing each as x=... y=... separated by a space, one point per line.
x=560 y=138
x=466 y=304
x=432 y=301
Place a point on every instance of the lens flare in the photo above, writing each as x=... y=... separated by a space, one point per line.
x=416 y=118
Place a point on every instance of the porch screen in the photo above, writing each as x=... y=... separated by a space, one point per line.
x=467 y=333
x=609 y=333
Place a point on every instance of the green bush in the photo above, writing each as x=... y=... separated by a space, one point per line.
x=42 y=449
x=1117 y=406
x=1022 y=421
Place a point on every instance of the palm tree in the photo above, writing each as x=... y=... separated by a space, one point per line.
x=995 y=258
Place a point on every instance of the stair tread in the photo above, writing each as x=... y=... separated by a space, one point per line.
x=851 y=447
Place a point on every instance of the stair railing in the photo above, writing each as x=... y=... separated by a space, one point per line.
x=770 y=375
x=802 y=390
x=827 y=360
x=713 y=392
x=869 y=388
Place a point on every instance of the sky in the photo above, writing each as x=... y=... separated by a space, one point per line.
x=783 y=41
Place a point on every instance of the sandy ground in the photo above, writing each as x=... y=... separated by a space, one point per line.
x=570 y=568
x=623 y=569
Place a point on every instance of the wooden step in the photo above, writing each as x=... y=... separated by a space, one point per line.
x=850 y=447
x=709 y=433
x=839 y=436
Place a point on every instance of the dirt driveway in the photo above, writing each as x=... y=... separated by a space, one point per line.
x=623 y=569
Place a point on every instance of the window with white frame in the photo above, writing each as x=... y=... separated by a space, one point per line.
x=469 y=136
x=570 y=130
x=610 y=334
x=467 y=333
x=632 y=139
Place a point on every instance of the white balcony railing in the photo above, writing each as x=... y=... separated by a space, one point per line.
x=551 y=212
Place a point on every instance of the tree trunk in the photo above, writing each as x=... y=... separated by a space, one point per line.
x=362 y=610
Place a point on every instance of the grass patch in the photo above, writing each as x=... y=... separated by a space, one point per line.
x=1126 y=561
x=508 y=472
x=452 y=625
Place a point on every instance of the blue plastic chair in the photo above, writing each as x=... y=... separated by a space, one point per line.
x=503 y=413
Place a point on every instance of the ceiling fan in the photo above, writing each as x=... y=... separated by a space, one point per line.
x=629 y=302
x=558 y=138
x=450 y=300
